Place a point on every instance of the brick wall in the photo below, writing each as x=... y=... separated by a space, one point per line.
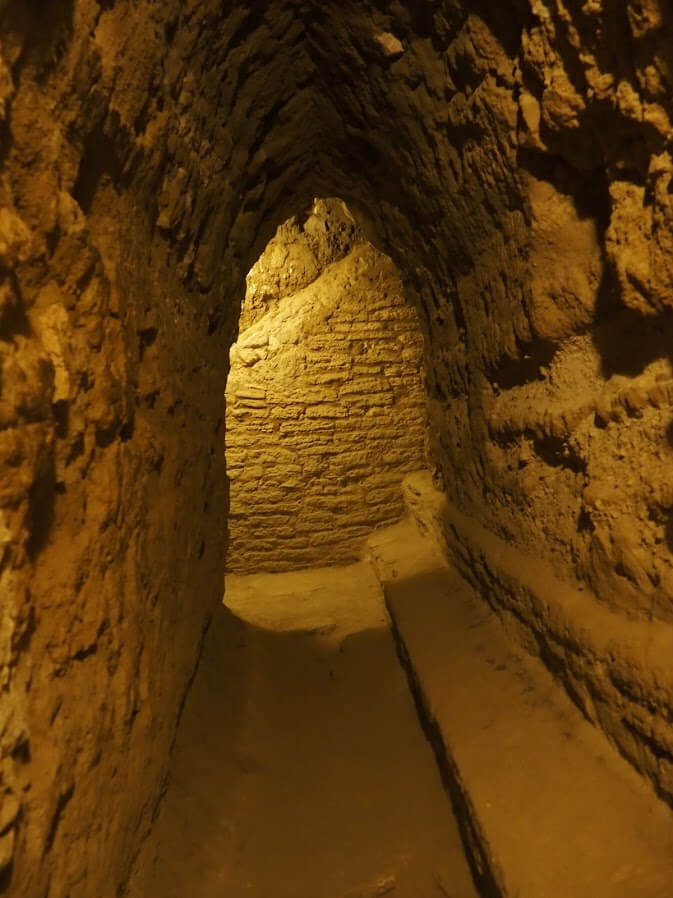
x=325 y=415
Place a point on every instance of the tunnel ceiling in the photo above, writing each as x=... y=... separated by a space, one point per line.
x=514 y=161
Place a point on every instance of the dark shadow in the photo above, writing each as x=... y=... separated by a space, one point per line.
x=99 y=163
x=41 y=500
x=527 y=366
x=46 y=26
x=6 y=879
x=13 y=318
x=556 y=452
x=588 y=190
x=46 y=29
x=628 y=341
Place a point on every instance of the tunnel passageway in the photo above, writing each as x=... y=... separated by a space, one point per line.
x=300 y=769
x=506 y=171
x=309 y=762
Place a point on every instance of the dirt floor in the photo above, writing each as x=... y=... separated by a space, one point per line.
x=300 y=768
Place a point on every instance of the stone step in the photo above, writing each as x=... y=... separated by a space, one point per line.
x=547 y=807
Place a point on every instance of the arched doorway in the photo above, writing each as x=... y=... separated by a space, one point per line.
x=326 y=407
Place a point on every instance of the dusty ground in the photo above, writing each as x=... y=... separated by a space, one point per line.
x=300 y=769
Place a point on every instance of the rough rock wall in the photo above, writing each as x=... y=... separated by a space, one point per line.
x=326 y=409
x=296 y=256
x=514 y=161
x=128 y=161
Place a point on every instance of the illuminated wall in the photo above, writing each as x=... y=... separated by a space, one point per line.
x=326 y=410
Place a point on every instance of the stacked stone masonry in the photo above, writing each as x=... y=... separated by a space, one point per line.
x=326 y=410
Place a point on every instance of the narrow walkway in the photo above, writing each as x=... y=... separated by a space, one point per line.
x=300 y=769
x=551 y=809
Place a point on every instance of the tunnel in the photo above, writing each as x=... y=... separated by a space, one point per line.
x=336 y=401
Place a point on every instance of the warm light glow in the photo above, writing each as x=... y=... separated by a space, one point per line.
x=325 y=406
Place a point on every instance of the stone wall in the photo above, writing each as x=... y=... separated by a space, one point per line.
x=531 y=151
x=124 y=243
x=513 y=159
x=326 y=409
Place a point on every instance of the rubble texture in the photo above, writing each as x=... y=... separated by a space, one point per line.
x=512 y=159
x=325 y=405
